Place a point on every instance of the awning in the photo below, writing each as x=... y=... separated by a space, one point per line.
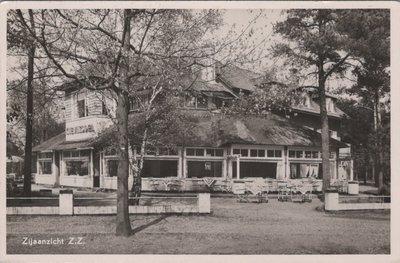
x=59 y=142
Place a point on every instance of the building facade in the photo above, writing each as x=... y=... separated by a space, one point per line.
x=276 y=147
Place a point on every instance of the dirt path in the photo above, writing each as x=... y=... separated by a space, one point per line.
x=232 y=228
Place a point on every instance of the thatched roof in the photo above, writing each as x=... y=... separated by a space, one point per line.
x=218 y=130
x=207 y=129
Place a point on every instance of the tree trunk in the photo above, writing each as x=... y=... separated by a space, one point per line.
x=379 y=159
x=29 y=116
x=123 y=225
x=326 y=175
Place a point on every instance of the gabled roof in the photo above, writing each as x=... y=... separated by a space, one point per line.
x=236 y=77
x=316 y=109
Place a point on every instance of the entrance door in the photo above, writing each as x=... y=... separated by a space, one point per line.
x=96 y=170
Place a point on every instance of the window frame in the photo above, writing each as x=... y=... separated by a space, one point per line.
x=212 y=155
x=262 y=153
x=78 y=157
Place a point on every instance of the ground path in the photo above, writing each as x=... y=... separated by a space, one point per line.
x=232 y=228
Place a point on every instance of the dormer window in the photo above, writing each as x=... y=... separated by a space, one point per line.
x=330 y=105
x=306 y=101
x=81 y=105
x=82 y=112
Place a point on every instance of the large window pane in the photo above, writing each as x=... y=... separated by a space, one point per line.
x=255 y=169
x=81 y=108
x=202 y=102
x=112 y=166
x=199 y=152
x=199 y=169
x=45 y=167
x=160 y=168
x=304 y=170
x=77 y=167
x=219 y=152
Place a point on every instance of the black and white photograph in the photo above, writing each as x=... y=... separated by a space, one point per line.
x=174 y=128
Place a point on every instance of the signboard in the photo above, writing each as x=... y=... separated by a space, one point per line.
x=80 y=129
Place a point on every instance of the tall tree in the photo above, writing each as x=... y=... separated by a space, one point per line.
x=19 y=39
x=313 y=42
x=97 y=50
x=369 y=42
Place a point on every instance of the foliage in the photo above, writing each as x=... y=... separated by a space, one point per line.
x=369 y=32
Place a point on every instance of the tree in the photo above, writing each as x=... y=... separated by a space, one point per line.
x=18 y=40
x=165 y=43
x=369 y=35
x=314 y=42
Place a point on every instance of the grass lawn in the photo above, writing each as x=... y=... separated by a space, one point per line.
x=232 y=228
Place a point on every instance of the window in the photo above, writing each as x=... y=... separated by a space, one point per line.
x=160 y=168
x=196 y=102
x=45 y=161
x=112 y=168
x=202 y=102
x=76 y=163
x=69 y=154
x=77 y=167
x=274 y=153
x=190 y=101
x=150 y=150
x=199 y=152
x=305 y=154
x=45 y=155
x=190 y=152
x=200 y=169
x=167 y=151
x=194 y=152
x=255 y=169
x=82 y=112
x=104 y=110
x=304 y=170
x=214 y=152
x=45 y=167
x=258 y=153
x=209 y=152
